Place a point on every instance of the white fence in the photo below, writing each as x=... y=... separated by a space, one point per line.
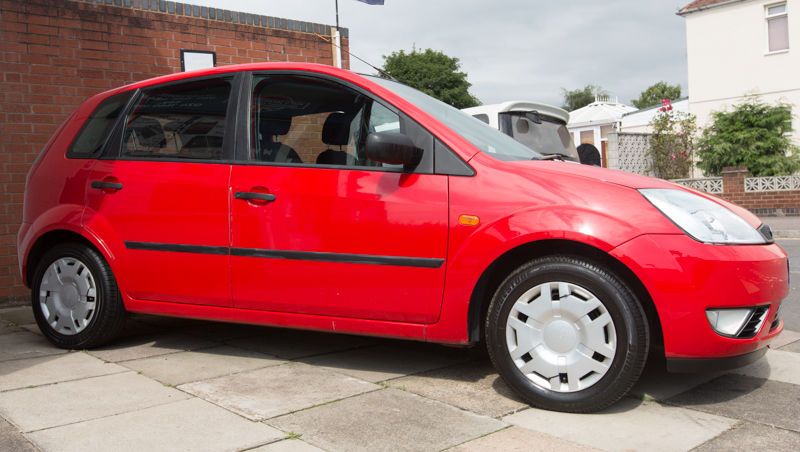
x=706 y=184
x=629 y=152
x=776 y=183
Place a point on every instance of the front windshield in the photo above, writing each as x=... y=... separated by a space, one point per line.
x=547 y=135
x=482 y=136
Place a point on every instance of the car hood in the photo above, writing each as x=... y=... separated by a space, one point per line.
x=569 y=169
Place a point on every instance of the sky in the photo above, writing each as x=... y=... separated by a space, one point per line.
x=513 y=49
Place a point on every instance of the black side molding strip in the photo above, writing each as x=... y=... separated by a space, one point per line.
x=398 y=261
x=370 y=259
x=197 y=249
x=693 y=365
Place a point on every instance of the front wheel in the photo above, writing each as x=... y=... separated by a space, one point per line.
x=75 y=297
x=567 y=334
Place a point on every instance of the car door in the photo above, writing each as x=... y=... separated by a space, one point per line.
x=316 y=227
x=162 y=191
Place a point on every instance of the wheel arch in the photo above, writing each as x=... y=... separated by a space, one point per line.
x=500 y=268
x=49 y=239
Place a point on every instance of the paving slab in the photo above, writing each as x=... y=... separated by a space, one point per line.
x=777 y=365
x=382 y=363
x=24 y=344
x=516 y=439
x=7 y=327
x=292 y=344
x=658 y=384
x=630 y=424
x=80 y=400
x=272 y=391
x=389 y=419
x=187 y=425
x=24 y=373
x=288 y=445
x=473 y=386
x=793 y=347
x=20 y=315
x=746 y=398
x=747 y=437
x=222 y=331
x=11 y=440
x=184 y=367
x=785 y=338
x=130 y=348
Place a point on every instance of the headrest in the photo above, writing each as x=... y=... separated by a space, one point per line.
x=274 y=125
x=336 y=130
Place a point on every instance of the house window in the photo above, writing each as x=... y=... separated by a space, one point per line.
x=197 y=59
x=777 y=27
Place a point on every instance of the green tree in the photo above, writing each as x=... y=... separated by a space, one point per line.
x=581 y=97
x=672 y=144
x=656 y=93
x=433 y=73
x=754 y=135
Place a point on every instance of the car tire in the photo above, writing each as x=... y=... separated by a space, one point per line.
x=585 y=333
x=75 y=298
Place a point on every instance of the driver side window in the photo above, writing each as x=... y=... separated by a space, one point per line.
x=299 y=120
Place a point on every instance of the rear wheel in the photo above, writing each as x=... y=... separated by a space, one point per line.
x=75 y=297
x=567 y=334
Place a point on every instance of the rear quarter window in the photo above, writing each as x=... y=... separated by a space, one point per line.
x=95 y=132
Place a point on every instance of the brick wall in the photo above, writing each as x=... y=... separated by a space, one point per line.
x=762 y=203
x=56 y=53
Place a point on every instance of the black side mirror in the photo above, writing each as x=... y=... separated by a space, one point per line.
x=393 y=148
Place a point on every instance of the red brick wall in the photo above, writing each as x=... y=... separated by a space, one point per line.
x=56 y=53
x=766 y=203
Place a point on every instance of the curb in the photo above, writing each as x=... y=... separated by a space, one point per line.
x=786 y=234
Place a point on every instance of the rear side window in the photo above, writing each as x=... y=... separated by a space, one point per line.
x=183 y=121
x=95 y=132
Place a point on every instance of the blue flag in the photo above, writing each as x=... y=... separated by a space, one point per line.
x=372 y=2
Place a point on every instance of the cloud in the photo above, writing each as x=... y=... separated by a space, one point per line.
x=514 y=49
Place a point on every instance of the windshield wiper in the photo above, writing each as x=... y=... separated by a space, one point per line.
x=553 y=156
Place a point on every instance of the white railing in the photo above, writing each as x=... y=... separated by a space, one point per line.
x=707 y=184
x=775 y=183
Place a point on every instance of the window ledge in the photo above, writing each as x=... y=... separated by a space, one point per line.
x=776 y=52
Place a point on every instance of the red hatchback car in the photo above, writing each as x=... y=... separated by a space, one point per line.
x=304 y=196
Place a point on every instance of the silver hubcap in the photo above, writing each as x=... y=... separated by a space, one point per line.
x=561 y=337
x=68 y=296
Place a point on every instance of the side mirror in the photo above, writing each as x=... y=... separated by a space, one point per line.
x=393 y=148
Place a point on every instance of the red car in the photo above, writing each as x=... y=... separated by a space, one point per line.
x=304 y=196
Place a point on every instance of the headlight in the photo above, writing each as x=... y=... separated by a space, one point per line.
x=702 y=219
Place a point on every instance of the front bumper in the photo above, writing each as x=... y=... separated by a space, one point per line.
x=685 y=277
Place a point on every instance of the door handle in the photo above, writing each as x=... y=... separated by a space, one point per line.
x=106 y=185
x=253 y=196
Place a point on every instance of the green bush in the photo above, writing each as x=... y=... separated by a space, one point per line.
x=754 y=135
x=672 y=143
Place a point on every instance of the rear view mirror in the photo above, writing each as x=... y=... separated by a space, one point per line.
x=393 y=148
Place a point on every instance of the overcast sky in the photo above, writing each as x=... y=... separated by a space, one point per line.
x=513 y=49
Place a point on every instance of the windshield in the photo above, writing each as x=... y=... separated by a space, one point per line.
x=482 y=136
x=546 y=135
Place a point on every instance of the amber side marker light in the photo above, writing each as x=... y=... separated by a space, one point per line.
x=469 y=220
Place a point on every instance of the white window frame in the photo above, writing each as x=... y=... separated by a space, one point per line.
x=767 y=18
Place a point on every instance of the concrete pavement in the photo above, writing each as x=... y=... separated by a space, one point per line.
x=174 y=384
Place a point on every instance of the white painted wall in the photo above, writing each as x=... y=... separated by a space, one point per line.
x=728 y=59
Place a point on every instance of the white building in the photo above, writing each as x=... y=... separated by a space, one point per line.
x=738 y=48
x=639 y=121
x=592 y=123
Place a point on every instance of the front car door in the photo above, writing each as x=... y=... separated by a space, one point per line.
x=316 y=227
x=162 y=191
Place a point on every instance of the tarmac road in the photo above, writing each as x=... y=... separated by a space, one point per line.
x=791 y=306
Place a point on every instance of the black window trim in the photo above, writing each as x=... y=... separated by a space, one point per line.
x=109 y=138
x=243 y=132
x=113 y=148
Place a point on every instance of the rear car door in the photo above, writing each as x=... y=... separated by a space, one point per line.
x=162 y=191
x=317 y=228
